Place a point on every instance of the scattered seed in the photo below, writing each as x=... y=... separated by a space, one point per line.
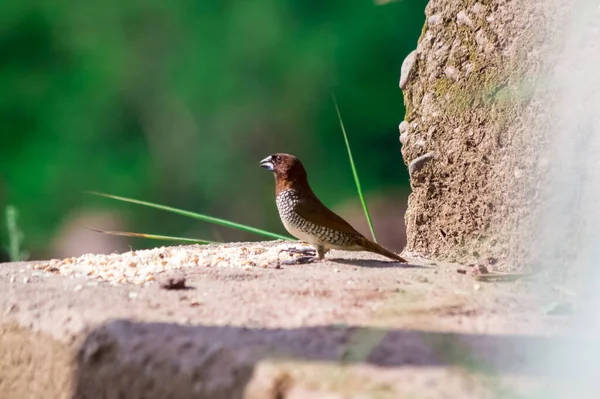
x=144 y=267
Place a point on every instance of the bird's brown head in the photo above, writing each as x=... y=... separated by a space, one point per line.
x=288 y=170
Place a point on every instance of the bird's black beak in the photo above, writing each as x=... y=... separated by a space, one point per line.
x=267 y=163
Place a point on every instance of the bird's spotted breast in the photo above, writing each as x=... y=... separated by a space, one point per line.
x=303 y=229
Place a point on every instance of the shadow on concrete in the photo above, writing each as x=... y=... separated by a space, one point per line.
x=377 y=263
x=125 y=359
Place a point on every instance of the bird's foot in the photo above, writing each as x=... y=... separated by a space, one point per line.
x=301 y=260
x=310 y=255
x=295 y=251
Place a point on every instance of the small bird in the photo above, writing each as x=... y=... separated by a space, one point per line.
x=305 y=217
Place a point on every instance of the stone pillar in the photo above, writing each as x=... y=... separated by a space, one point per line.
x=472 y=136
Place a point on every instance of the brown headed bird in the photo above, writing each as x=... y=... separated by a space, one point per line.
x=306 y=218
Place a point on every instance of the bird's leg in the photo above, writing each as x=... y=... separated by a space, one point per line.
x=321 y=251
x=311 y=255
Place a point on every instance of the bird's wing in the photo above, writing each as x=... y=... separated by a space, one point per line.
x=313 y=210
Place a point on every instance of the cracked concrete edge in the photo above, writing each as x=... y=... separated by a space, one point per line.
x=121 y=359
x=33 y=364
x=161 y=360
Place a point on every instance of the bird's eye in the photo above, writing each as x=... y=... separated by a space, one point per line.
x=276 y=158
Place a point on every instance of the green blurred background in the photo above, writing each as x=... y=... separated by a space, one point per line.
x=176 y=102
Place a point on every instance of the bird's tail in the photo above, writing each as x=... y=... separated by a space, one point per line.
x=378 y=249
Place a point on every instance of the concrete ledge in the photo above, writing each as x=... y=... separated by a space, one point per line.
x=347 y=327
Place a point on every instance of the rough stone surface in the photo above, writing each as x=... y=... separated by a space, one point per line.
x=354 y=326
x=475 y=100
x=407 y=69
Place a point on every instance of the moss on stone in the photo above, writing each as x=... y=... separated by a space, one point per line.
x=425 y=26
x=476 y=90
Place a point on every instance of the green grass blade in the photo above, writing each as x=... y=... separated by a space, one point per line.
x=154 y=236
x=15 y=235
x=194 y=215
x=360 y=193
